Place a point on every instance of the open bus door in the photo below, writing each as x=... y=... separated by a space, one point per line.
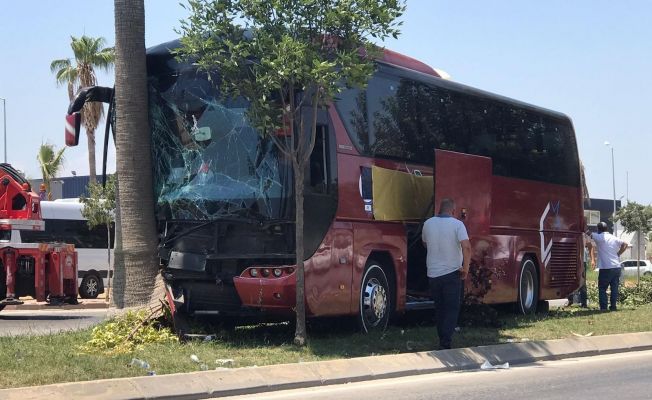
x=467 y=180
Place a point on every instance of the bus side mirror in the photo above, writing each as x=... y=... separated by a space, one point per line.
x=73 y=126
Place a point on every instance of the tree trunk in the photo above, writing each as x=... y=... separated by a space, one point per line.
x=300 y=308
x=118 y=298
x=91 y=156
x=133 y=154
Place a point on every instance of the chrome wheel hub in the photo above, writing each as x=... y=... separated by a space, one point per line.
x=91 y=287
x=528 y=289
x=375 y=299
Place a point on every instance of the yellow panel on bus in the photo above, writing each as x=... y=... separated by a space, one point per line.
x=400 y=195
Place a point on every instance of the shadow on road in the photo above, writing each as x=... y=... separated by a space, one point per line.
x=43 y=317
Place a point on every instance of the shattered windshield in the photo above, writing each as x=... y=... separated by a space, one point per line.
x=209 y=162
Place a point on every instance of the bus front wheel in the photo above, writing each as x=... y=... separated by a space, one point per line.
x=528 y=288
x=374 y=298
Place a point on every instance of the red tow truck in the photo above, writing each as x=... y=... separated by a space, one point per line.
x=44 y=271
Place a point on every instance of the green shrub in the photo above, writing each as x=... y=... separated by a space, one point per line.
x=638 y=294
x=629 y=295
x=592 y=291
x=127 y=333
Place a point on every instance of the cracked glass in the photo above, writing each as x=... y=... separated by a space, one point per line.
x=209 y=161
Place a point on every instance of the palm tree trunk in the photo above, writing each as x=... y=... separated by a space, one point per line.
x=91 y=156
x=118 y=298
x=133 y=154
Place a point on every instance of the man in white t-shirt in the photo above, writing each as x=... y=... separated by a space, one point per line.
x=609 y=250
x=449 y=254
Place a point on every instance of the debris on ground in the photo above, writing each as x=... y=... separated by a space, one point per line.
x=489 y=366
x=135 y=362
x=580 y=335
x=225 y=362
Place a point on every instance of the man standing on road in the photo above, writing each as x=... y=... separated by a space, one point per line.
x=609 y=250
x=449 y=254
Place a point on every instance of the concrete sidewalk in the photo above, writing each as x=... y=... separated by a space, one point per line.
x=84 y=304
x=238 y=381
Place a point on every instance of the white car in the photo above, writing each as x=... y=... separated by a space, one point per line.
x=630 y=267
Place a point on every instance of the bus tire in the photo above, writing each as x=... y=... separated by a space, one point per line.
x=90 y=287
x=375 y=298
x=528 y=288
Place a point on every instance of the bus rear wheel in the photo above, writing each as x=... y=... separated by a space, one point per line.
x=375 y=299
x=528 y=288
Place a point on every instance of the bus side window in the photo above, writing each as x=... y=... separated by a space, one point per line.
x=89 y=238
x=319 y=162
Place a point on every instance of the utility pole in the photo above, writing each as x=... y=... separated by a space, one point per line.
x=613 y=178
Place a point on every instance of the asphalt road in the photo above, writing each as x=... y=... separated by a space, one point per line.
x=618 y=376
x=43 y=322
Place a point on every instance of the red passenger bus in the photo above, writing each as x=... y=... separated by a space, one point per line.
x=383 y=156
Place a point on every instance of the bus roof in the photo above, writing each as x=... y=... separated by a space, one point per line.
x=472 y=91
x=62 y=210
x=401 y=61
x=388 y=56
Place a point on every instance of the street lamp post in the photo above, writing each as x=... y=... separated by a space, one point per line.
x=4 y=114
x=613 y=178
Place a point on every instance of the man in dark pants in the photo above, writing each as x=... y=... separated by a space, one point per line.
x=609 y=250
x=449 y=255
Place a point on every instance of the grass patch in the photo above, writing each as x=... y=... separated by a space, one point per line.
x=39 y=360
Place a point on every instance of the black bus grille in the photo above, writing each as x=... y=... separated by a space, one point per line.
x=563 y=264
x=212 y=297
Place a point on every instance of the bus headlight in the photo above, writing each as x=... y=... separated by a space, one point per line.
x=278 y=272
x=253 y=272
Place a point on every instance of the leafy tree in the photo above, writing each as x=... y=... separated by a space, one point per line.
x=89 y=53
x=637 y=218
x=99 y=209
x=50 y=161
x=135 y=251
x=285 y=57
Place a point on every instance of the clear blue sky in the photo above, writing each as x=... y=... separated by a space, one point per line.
x=590 y=59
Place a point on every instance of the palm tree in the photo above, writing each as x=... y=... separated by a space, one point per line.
x=50 y=162
x=138 y=257
x=90 y=53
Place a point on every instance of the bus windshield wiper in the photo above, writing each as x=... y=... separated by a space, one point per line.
x=203 y=225
x=261 y=219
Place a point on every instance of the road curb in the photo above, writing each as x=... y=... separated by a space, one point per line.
x=251 y=380
x=44 y=306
